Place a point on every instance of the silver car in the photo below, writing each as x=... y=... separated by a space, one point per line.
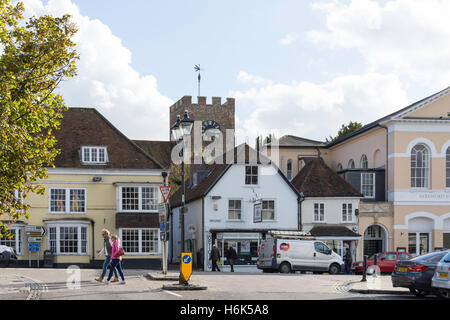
x=441 y=278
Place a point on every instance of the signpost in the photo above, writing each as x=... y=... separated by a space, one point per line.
x=34 y=238
x=163 y=211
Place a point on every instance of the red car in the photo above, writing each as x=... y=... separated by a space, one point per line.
x=386 y=261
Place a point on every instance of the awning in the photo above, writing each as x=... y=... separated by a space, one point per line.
x=334 y=232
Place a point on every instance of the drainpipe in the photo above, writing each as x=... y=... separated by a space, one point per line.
x=301 y=198
x=386 y=182
x=93 y=241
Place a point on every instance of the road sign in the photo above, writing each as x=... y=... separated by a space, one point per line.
x=34 y=246
x=186 y=265
x=34 y=239
x=162 y=211
x=165 y=191
x=35 y=231
x=162 y=226
x=162 y=236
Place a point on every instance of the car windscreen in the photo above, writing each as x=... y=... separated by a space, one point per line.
x=433 y=257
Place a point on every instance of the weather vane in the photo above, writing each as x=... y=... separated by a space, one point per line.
x=198 y=69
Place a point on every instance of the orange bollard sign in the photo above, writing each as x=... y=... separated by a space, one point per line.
x=186 y=265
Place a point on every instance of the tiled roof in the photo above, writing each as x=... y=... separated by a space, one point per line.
x=316 y=179
x=87 y=127
x=158 y=150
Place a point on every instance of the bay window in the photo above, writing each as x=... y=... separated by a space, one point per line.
x=68 y=239
x=15 y=240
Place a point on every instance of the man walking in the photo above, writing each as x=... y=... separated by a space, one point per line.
x=214 y=256
x=107 y=249
x=231 y=256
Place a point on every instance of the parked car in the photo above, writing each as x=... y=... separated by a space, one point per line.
x=288 y=255
x=386 y=261
x=416 y=274
x=441 y=278
x=7 y=255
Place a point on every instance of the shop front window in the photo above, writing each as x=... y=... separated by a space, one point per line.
x=246 y=249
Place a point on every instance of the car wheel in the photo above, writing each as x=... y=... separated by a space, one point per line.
x=418 y=292
x=285 y=267
x=334 y=269
x=444 y=294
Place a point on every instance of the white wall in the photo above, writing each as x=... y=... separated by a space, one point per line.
x=333 y=211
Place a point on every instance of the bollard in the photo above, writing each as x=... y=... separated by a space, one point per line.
x=364 y=278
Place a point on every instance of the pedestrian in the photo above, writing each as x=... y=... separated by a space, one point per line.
x=231 y=256
x=348 y=261
x=116 y=259
x=107 y=247
x=214 y=256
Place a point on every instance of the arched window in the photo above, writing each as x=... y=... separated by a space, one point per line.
x=339 y=167
x=420 y=166
x=289 y=169
x=364 y=162
x=351 y=164
x=447 y=167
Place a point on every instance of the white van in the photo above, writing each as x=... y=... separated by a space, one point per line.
x=287 y=255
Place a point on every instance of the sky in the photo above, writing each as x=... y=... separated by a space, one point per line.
x=299 y=67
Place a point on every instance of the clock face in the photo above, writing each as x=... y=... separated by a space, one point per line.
x=209 y=124
x=210 y=130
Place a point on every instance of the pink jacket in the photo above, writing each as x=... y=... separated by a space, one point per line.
x=115 y=250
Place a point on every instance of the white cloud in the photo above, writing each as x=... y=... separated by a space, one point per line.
x=410 y=37
x=249 y=79
x=288 y=39
x=106 y=80
x=317 y=111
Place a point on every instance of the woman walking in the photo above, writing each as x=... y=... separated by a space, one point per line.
x=115 y=260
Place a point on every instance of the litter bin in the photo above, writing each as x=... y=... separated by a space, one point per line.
x=48 y=259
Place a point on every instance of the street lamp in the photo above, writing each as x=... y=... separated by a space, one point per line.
x=181 y=128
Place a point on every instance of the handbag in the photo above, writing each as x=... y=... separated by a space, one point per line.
x=121 y=252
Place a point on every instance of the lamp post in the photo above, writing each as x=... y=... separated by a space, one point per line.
x=181 y=128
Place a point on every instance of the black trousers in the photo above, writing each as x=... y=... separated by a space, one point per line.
x=231 y=262
x=214 y=265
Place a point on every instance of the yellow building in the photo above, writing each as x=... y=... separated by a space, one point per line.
x=101 y=180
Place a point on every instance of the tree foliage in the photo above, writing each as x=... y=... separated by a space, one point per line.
x=36 y=55
x=345 y=130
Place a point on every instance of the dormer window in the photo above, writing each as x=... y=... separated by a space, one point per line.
x=94 y=155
